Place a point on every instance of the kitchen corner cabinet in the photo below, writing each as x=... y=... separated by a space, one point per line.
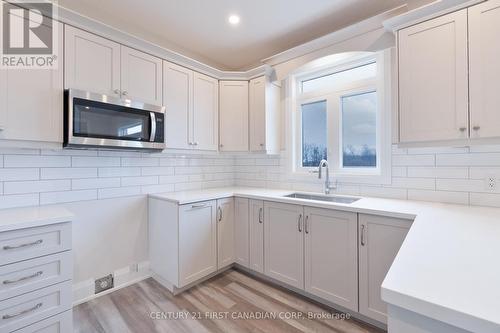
x=31 y=107
x=379 y=241
x=331 y=256
x=284 y=243
x=225 y=232
x=191 y=101
x=256 y=237
x=241 y=232
x=433 y=83
x=99 y=65
x=264 y=116
x=233 y=111
x=484 y=69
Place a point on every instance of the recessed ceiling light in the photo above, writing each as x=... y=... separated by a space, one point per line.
x=233 y=19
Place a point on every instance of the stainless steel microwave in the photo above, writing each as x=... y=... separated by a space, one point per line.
x=101 y=121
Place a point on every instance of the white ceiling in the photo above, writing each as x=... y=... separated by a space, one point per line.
x=199 y=28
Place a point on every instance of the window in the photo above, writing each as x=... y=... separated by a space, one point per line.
x=340 y=118
x=359 y=126
x=314 y=132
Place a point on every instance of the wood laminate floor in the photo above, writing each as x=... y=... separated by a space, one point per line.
x=216 y=305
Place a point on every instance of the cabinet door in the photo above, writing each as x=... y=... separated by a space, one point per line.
x=92 y=63
x=284 y=243
x=331 y=256
x=31 y=105
x=225 y=232
x=484 y=52
x=257 y=109
x=197 y=241
x=241 y=231
x=205 y=112
x=256 y=221
x=433 y=84
x=178 y=95
x=234 y=115
x=379 y=241
x=141 y=76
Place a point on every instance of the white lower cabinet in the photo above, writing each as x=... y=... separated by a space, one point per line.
x=225 y=232
x=331 y=256
x=241 y=232
x=379 y=241
x=256 y=239
x=197 y=241
x=284 y=243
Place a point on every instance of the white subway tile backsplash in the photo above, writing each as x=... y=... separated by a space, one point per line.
x=19 y=200
x=485 y=199
x=67 y=196
x=19 y=174
x=36 y=186
x=94 y=183
x=414 y=183
x=157 y=171
x=162 y=188
x=67 y=173
x=143 y=180
x=84 y=161
x=471 y=159
x=106 y=193
x=484 y=172
x=36 y=161
x=463 y=185
x=139 y=161
x=119 y=172
x=413 y=160
x=438 y=172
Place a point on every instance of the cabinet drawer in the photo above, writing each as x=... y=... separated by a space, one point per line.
x=21 y=311
x=61 y=323
x=30 y=243
x=29 y=275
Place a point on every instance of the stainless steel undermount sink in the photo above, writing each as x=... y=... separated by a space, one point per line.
x=327 y=198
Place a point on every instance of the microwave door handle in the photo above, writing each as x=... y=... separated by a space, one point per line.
x=153 y=126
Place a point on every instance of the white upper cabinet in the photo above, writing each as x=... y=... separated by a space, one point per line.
x=205 y=118
x=31 y=101
x=233 y=115
x=265 y=116
x=92 y=63
x=178 y=100
x=484 y=66
x=379 y=241
x=284 y=243
x=96 y=64
x=141 y=76
x=433 y=84
x=331 y=256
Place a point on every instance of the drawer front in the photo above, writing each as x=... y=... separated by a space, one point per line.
x=24 y=310
x=29 y=275
x=61 y=323
x=30 y=243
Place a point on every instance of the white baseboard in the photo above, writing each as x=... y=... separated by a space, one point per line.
x=84 y=291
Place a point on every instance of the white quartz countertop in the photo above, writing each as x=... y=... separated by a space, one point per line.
x=20 y=218
x=447 y=268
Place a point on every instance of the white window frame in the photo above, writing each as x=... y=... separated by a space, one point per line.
x=381 y=174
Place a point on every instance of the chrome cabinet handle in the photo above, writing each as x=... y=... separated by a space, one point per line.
x=262 y=145
x=463 y=129
x=10 y=316
x=221 y=145
x=117 y=91
x=124 y=93
x=307 y=225
x=260 y=215
x=363 y=235
x=476 y=128
x=195 y=143
x=23 y=278
x=220 y=214
x=10 y=247
x=300 y=223
x=153 y=126
x=198 y=205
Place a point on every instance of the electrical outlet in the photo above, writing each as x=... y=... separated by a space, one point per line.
x=491 y=183
x=104 y=283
